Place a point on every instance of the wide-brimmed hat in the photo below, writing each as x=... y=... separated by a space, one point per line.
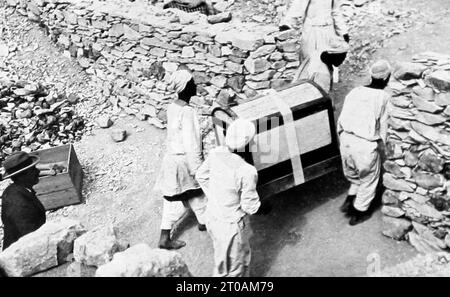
x=337 y=46
x=380 y=69
x=18 y=163
x=239 y=134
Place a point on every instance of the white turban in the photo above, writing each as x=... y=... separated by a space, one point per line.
x=179 y=79
x=380 y=69
x=239 y=134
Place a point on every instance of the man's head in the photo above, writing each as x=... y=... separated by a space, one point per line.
x=21 y=168
x=380 y=73
x=183 y=83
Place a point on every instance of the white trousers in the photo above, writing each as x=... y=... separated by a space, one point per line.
x=232 y=252
x=362 y=166
x=174 y=211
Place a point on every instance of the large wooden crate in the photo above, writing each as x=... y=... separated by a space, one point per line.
x=64 y=188
x=296 y=137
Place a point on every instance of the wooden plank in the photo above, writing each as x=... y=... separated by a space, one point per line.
x=55 y=183
x=264 y=106
x=312 y=172
x=59 y=199
x=313 y=132
x=56 y=154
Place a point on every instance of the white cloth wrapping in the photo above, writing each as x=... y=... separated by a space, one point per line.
x=179 y=79
x=230 y=186
x=183 y=151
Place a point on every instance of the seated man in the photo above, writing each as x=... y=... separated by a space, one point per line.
x=22 y=212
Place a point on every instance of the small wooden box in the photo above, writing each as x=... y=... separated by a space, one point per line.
x=309 y=138
x=64 y=188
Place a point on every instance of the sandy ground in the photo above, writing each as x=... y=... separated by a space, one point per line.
x=304 y=235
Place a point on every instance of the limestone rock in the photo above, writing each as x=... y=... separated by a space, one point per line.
x=428 y=235
x=390 y=198
x=220 y=18
x=42 y=249
x=394 y=149
x=439 y=80
x=263 y=51
x=396 y=228
x=431 y=162
x=219 y=81
x=236 y=83
x=118 y=135
x=427 y=180
x=407 y=71
x=97 y=246
x=142 y=261
x=425 y=93
x=430 y=119
x=443 y=99
x=411 y=158
x=76 y=269
x=393 y=168
x=247 y=42
x=397 y=184
x=391 y=211
x=256 y=65
x=401 y=101
x=224 y=98
x=423 y=209
x=425 y=105
x=421 y=244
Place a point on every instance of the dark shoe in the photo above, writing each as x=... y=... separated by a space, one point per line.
x=201 y=227
x=345 y=207
x=166 y=243
x=172 y=244
x=357 y=217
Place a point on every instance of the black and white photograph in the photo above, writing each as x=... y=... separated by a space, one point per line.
x=216 y=140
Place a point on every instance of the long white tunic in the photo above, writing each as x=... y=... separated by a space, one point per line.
x=321 y=19
x=183 y=151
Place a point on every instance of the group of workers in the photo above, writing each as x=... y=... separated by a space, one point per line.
x=221 y=190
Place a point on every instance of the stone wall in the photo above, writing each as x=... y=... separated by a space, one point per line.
x=130 y=48
x=416 y=203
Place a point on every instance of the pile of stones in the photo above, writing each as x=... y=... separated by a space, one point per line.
x=33 y=117
x=131 y=51
x=416 y=203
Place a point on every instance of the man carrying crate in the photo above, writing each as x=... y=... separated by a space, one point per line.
x=362 y=127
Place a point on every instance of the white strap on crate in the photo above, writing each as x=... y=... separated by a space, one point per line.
x=291 y=135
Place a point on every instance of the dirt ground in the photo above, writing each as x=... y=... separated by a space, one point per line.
x=304 y=235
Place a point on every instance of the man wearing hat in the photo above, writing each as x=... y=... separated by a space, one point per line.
x=229 y=183
x=319 y=67
x=22 y=212
x=362 y=128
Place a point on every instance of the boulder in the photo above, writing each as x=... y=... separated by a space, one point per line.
x=421 y=244
x=220 y=18
x=439 y=80
x=407 y=70
x=263 y=51
x=397 y=184
x=142 y=261
x=393 y=168
x=236 y=83
x=256 y=65
x=97 y=246
x=425 y=105
x=423 y=210
x=391 y=211
x=395 y=228
x=104 y=122
x=247 y=42
x=443 y=99
x=76 y=269
x=118 y=135
x=425 y=93
x=390 y=198
x=47 y=247
x=428 y=181
x=431 y=162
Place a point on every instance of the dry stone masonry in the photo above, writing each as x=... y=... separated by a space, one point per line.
x=131 y=51
x=416 y=203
